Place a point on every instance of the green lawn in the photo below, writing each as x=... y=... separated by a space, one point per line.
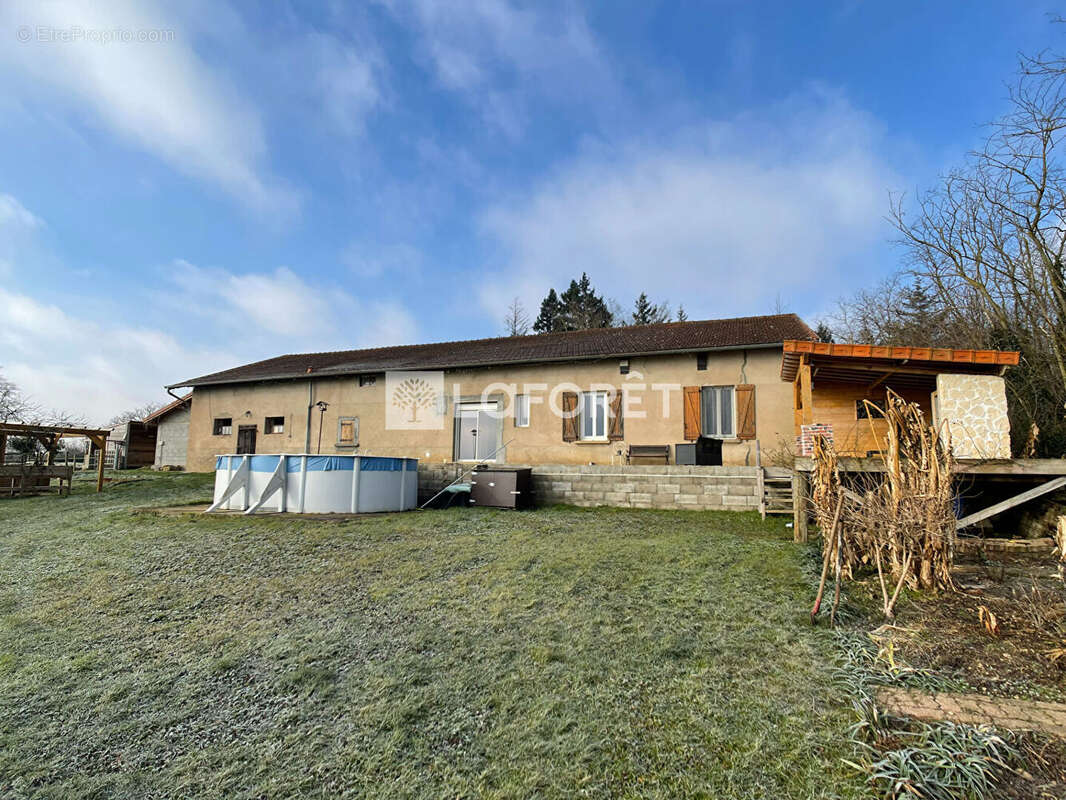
x=556 y=653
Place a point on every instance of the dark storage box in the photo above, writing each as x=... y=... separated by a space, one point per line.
x=685 y=454
x=704 y=452
x=502 y=487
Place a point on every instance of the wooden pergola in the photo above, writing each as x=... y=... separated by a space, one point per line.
x=49 y=436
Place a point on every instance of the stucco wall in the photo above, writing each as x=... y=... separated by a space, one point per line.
x=540 y=443
x=975 y=409
x=172 y=436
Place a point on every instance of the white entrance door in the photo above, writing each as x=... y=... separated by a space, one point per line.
x=478 y=432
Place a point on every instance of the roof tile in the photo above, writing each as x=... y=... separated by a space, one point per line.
x=566 y=346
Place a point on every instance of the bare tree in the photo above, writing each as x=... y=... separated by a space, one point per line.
x=990 y=242
x=14 y=405
x=517 y=320
x=138 y=413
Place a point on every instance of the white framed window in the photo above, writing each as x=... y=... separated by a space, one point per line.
x=274 y=425
x=593 y=417
x=521 y=410
x=718 y=411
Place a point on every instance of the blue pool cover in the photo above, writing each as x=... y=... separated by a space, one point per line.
x=321 y=463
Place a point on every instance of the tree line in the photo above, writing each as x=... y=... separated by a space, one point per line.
x=580 y=306
x=985 y=260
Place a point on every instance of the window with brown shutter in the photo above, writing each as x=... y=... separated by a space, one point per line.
x=745 y=394
x=616 y=429
x=348 y=432
x=569 y=409
x=691 y=403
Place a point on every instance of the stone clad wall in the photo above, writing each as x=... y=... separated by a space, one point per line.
x=671 y=487
x=975 y=408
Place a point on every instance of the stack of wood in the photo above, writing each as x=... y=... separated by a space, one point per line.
x=903 y=525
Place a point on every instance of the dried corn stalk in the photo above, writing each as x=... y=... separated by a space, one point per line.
x=904 y=524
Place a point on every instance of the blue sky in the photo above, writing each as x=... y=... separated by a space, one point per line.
x=275 y=178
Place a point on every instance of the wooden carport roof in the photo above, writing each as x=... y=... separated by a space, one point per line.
x=864 y=363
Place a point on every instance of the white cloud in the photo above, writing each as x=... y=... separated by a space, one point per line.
x=158 y=95
x=374 y=260
x=720 y=219
x=96 y=369
x=499 y=54
x=346 y=79
x=297 y=314
x=13 y=213
x=68 y=363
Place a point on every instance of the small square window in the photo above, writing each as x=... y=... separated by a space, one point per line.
x=867 y=409
x=368 y=380
x=274 y=425
x=223 y=426
x=348 y=432
x=521 y=410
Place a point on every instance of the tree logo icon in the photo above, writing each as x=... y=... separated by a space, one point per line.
x=414 y=400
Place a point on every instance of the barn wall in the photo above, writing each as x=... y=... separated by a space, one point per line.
x=172 y=439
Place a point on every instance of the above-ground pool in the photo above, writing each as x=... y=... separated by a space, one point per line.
x=314 y=484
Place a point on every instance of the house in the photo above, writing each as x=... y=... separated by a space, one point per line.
x=839 y=391
x=578 y=397
x=172 y=432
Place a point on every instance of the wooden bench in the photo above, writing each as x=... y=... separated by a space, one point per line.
x=16 y=481
x=657 y=453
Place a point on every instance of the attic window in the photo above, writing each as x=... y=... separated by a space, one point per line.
x=368 y=380
x=701 y=361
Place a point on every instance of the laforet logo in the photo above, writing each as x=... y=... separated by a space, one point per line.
x=414 y=400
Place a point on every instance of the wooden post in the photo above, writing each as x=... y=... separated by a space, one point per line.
x=806 y=394
x=1060 y=538
x=800 y=495
x=101 y=444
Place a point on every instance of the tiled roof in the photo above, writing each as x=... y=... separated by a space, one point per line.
x=159 y=413
x=667 y=337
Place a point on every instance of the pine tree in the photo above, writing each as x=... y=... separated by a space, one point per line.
x=646 y=312
x=549 y=320
x=824 y=332
x=582 y=308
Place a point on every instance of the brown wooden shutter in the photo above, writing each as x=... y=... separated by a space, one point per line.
x=569 y=400
x=616 y=431
x=745 y=394
x=691 y=402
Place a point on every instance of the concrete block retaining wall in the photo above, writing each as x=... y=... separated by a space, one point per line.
x=674 y=487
